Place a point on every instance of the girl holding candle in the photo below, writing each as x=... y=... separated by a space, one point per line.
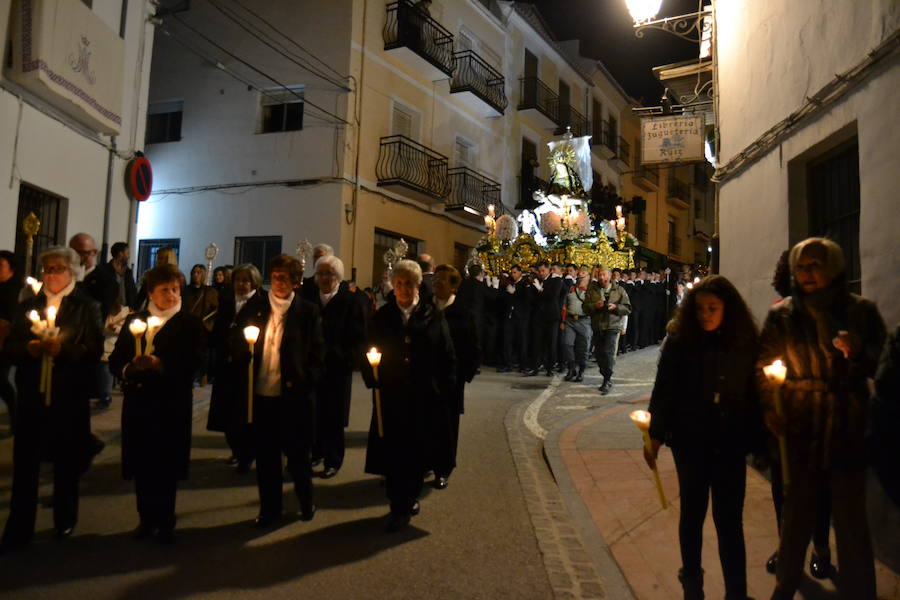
x=830 y=341
x=157 y=409
x=59 y=429
x=704 y=406
x=288 y=362
x=417 y=363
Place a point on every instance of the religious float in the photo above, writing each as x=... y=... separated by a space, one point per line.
x=561 y=224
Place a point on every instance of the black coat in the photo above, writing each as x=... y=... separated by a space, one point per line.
x=683 y=405
x=227 y=402
x=467 y=347
x=417 y=363
x=158 y=405
x=103 y=286
x=302 y=356
x=522 y=301
x=548 y=305
x=65 y=425
x=344 y=331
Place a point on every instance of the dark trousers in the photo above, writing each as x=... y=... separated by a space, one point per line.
x=823 y=508
x=67 y=464
x=543 y=344
x=241 y=442
x=606 y=345
x=847 y=490
x=515 y=340
x=331 y=400
x=403 y=485
x=634 y=324
x=8 y=393
x=276 y=434
x=446 y=457
x=701 y=471
x=155 y=488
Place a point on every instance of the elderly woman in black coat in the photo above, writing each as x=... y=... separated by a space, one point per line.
x=461 y=323
x=417 y=363
x=228 y=405
x=287 y=363
x=344 y=328
x=57 y=428
x=156 y=413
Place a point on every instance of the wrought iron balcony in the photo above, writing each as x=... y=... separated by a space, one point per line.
x=570 y=117
x=646 y=178
x=409 y=27
x=534 y=94
x=674 y=245
x=405 y=163
x=678 y=193
x=471 y=192
x=610 y=139
x=622 y=158
x=599 y=131
x=472 y=74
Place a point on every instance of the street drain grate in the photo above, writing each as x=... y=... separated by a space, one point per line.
x=528 y=386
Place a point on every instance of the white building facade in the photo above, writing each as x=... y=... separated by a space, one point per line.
x=72 y=114
x=368 y=125
x=808 y=111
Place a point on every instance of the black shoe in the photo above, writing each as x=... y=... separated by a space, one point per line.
x=328 y=473
x=604 y=389
x=530 y=372
x=316 y=462
x=103 y=403
x=820 y=566
x=266 y=521
x=63 y=533
x=166 y=536
x=692 y=585
x=307 y=514
x=772 y=563
x=396 y=522
x=416 y=508
x=142 y=532
x=579 y=377
x=503 y=369
x=232 y=460
x=570 y=375
x=440 y=483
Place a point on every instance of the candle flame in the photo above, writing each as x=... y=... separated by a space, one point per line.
x=374 y=356
x=641 y=418
x=33 y=316
x=154 y=323
x=51 y=313
x=137 y=327
x=251 y=334
x=776 y=371
x=34 y=283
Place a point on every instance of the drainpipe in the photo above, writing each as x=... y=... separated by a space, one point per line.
x=356 y=187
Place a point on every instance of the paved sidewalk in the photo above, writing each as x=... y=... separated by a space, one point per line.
x=598 y=463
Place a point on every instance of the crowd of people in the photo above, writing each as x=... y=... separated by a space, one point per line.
x=281 y=362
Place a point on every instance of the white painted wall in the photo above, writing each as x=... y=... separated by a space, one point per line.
x=772 y=55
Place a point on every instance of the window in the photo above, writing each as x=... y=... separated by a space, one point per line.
x=596 y=122
x=258 y=251
x=164 y=121
x=463 y=153
x=147 y=250
x=50 y=212
x=833 y=204
x=404 y=121
x=466 y=40
x=384 y=241
x=281 y=109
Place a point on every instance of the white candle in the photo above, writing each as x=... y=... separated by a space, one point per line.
x=51 y=317
x=641 y=418
x=34 y=283
x=776 y=373
x=137 y=329
x=251 y=334
x=374 y=358
x=153 y=325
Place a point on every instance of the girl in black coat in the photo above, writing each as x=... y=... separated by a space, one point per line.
x=705 y=407
x=61 y=430
x=156 y=413
x=461 y=324
x=417 y=363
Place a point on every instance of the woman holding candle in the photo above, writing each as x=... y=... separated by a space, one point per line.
x=704 y=407
x=55 y=425
x=227 y=405
x=829 y=340
x=287 y=364
x=417 y=363
x=157 y=410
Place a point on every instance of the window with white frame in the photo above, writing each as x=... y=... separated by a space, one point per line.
x=404 y=121
x=281 y=109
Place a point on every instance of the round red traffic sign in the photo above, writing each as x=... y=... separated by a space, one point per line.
x=139 y=179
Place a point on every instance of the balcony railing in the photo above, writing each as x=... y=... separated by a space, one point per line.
x=569 y=116
x=534 y=93
x=404 y=162
x=407 y=26
x=472 y=74
x=623 y=152
x=679 y=190
x=471 y=192
x=610 y=140
x=649 y=174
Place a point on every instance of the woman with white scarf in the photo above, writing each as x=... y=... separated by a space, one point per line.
x=288 y=362
x=54 y=426
x=157 y=410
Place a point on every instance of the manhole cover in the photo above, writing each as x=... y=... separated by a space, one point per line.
x=528 y=386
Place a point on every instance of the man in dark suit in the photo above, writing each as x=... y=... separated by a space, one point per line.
x=112 y=283
x=546 y=319
x=520 y=295
x=426 y=289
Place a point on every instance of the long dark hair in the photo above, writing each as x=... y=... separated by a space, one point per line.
x=15 y=265
x=738 y=326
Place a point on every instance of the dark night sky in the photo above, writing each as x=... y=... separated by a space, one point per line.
x=606 y=32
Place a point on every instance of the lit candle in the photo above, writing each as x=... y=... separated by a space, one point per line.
x=618 y=210
x=641 y=418
x=487 y=222
x=374 y=357
x=34 y=283
x=776 y=373
x=696 y=280
x=251 y=334
x=51 y=318
x=491 y=210
x=153 y=325
x=137 y=329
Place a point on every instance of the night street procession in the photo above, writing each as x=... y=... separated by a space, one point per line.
x=439 y=299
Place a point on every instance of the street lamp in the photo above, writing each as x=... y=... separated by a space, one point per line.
x=643 y=11
x=693 y=27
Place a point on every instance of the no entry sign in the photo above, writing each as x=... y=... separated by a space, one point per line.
x=139 y=179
